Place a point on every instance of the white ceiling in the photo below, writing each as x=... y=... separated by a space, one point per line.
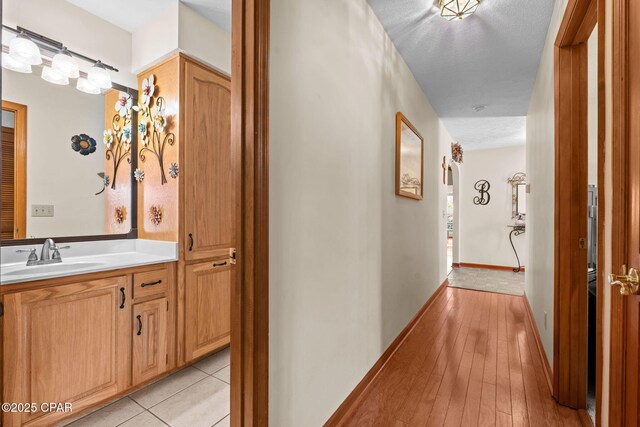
x=490 y=58
x=131 y=14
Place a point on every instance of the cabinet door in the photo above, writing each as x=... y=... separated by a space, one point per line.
x=149 y=339
x=68 y=343
x=207 y=308
x=209 y=164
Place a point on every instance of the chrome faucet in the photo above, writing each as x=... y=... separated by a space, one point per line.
x=45 y=253
x=46 y=257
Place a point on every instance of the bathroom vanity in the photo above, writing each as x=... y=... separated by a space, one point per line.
x=144 y=287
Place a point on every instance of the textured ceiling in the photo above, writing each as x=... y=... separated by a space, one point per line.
x=130 y=15
x=490 y=58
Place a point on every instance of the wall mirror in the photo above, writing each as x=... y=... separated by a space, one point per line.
x=409 y=159
x=66 y=147
x=518 y=194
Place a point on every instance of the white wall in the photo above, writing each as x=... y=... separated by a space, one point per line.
x=484 y=227
x=57 y=175
x=204 y=40
x=76 y=28
x=155 y=40
x=350 y=263
x=540 y=174
x=184 y=30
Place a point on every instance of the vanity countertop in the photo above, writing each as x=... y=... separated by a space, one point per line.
x=85 y=257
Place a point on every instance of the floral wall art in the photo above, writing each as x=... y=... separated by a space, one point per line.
x=153 y=125
x=456 y=152
x=117 y=139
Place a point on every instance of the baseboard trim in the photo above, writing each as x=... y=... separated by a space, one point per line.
x=543 y=355
x=487 y=266
x=345 y=410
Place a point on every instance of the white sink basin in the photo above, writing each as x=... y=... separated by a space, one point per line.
x=53 y=268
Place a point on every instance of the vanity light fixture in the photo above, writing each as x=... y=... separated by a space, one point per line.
x=11 y=64
x=84 y=85
x=65 y=65
x=52 y=76
x=99 y=76
x=23 y=49
x=457 y=9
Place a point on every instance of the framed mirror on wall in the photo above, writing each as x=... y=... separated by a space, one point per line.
x=409 y=159
x=518 y=195
x=68 y=150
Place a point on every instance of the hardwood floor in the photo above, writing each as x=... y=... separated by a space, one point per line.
x=470 y=360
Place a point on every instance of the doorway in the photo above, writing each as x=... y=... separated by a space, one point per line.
x=14 y=171
x=453 y=216
x=592 y=218
x=450 y=214
x=579 y=173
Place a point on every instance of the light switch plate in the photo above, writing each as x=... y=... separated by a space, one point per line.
x=41 y=210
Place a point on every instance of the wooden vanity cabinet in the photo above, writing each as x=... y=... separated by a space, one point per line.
x=68 y=343
x=86 y=339
x=207 y=308
x=150 y=357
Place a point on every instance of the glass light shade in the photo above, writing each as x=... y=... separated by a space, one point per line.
x=11 y=64
x=458 y=9
x=52 y=76
x=84 y=85
x=23 y=49
x=99 y=76
x=65 y=65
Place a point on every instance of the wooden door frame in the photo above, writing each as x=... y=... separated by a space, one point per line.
x=20 y=167
x=571 y=165
x=620 y=149
x=250 y=293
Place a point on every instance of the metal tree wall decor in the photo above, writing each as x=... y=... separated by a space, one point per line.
x=484 y=197
x=117 y=139
x=153 y=124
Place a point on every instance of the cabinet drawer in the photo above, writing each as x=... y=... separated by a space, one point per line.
x=154 y=282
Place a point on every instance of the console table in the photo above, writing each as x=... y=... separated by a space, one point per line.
x=516 y=230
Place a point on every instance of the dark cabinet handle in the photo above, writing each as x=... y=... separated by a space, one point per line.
x=139 y=317
x=220 y=264
x=123 y=297
x=190 y=242
x=157 y=282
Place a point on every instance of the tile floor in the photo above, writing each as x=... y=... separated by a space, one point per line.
x=480 y=279
x=196 y=396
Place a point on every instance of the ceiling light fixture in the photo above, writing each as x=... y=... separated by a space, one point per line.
x=23 y=49
x=65 y=65
x=457 y=9
x=84 y=85
x=11 y=64
x=52 y=76
x=99 y=76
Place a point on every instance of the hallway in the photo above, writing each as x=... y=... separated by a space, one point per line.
x=471 y=359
